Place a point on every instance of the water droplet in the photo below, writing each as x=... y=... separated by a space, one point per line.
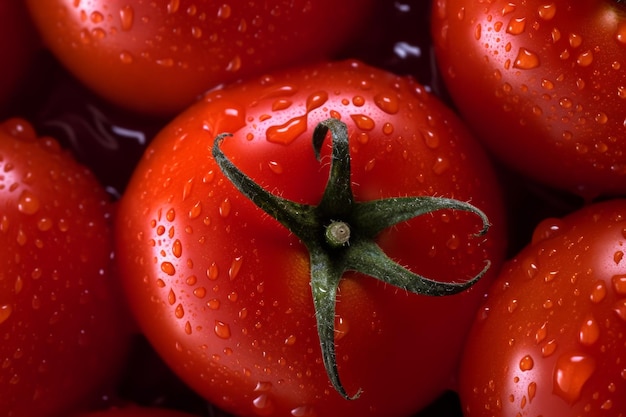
x=168 y=268
x=275 y=167
x=287 y=132
x=571 y=372
x=177 y=248
x=179 y=311
x=585 y=59
x=195 y=210
x=304 y=411
x=316 y=100
x=290 y=340
x=281 y=104
x=431 y=138
x=547 y=11
x=28 y=203
x=598 y=292
x=526 y=363
x=224 y=11
x=234 y=64
x=516 y=26
x=526 y=59
x=549 y=348
x=619 y=284
x=5 y=312
x=441 y=165
x=235 y=266
x=621 y=32
x=263 y=405
x=342 y=327
x=589 y=331
x=213 y=272
x=363 y=122
x=222 y=330
x=620 y=309
x=387 y=102
x=127 y=17
x=224 y=208
x=126 y=57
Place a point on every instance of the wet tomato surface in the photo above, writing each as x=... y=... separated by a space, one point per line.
x=551 y=84
x=223 y=291
x=550 y=339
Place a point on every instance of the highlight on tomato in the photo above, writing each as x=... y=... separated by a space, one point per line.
x=61 y=326
x=550 y=338
x=159 y=57
x=542 y=84
x=257 y=235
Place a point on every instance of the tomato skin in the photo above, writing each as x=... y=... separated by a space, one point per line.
x=550 y=339
x=158 y=58
x=550 y=85
x=222 y=291
x=62 y=333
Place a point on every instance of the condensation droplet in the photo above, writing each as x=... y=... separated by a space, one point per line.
x=222 y=330
x=571 y=372
x=517 y=26
x=127 y=18
x=288 y=131
x=28 y=203
x=526 y=59
x=235 y=266
x=224 y=208
x=526 y=363
x=363 y=122
x=304 y=411
x=388 y=103
x=168 y=268
x=619 y=284
x=589 y=331
x=598 y=292
x=316 y=100
x=5 y=312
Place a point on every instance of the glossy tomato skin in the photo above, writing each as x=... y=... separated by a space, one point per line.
x=542 y=84
x=62 y=337
x=222 y=291
x=550 y=339
x=158 y=57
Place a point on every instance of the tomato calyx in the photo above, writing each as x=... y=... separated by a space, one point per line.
x=339 y=234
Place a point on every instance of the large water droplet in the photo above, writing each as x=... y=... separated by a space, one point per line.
x=5 y=312
x=222 y=330
x=288 y=131
x=127 y=17
x=571 y=372
x=28 y=203
x=526 y=59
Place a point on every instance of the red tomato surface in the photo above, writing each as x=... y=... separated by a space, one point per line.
x=222 y=291
x=61 y=336
x=158 y=57
x=543 y=84
x=550 y=340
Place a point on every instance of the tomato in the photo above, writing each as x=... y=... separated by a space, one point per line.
x=60 y=321
x=18 y=46
x=542 y=84
x=158 y=57
x=550 y=339
x=223 y=291
x=134 y=411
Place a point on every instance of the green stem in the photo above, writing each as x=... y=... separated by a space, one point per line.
x=340 y=233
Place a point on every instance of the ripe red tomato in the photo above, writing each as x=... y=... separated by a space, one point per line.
x=158 y=57
x=542 y=84
x=550 y=339
x=60 y=329
x=223 y=291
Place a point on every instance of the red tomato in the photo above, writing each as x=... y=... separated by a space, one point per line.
x=18 y=44
x=223 y=291
x=61 y=333
x=550 y=339
x=158 y=57
x=542 y=84
x=133 y=411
